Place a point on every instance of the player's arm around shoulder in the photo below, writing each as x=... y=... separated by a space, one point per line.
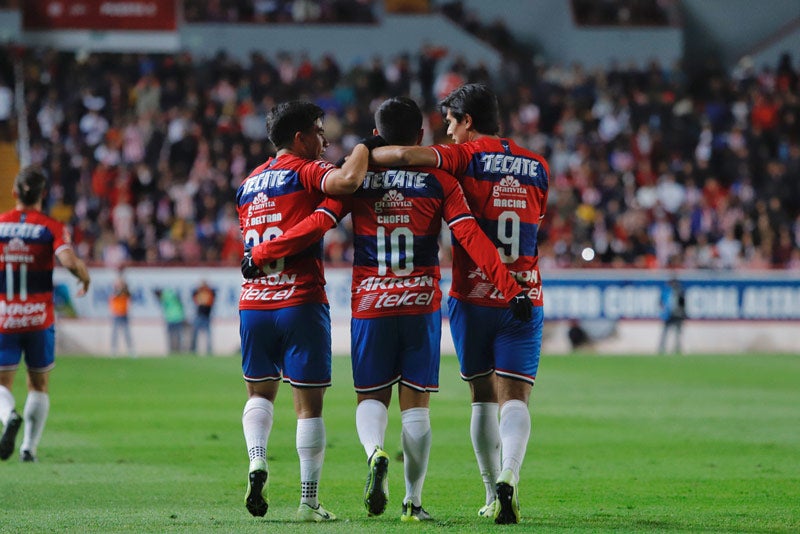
x=345 y=180
x=400 y=156
x=67 y=257
x=304 y=234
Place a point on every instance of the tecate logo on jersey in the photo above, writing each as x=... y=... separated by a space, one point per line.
x=271 y=178
x=505 y=164
x=395 y=300
x=21 y=230
x=394 y=179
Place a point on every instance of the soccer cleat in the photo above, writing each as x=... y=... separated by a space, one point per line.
x=257 y=497
x=376 y=490
x=414 y=513
x=27 y=457
x=10 y=435
x=314 y=515
x=487 y=510
x=507 y=510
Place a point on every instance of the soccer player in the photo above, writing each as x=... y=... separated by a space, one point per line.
x=28 y=241
x=284 y=314
x=396 y=318
x=506 y=187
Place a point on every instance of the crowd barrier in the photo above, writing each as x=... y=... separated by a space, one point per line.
x=727 y=311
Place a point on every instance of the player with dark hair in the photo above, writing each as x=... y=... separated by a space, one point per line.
x=506 y=187
x=28 y=241
x=284 y=314
x=396 y=322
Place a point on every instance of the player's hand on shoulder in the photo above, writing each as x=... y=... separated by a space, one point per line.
x=521 y=306
x=373 y=142
x=249 y=268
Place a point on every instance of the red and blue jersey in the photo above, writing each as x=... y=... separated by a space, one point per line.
x=29 y=239
x=396 y=216
x=276 y=196
x=506 y=187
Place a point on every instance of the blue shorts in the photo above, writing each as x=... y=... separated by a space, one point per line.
x=490 y=339
x=400 y=348
x=39 y=348
x=291 y=343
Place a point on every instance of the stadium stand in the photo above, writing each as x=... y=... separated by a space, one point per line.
x=652 y=166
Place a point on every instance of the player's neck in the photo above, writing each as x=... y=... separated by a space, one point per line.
x=474 y=135
x=25 y=207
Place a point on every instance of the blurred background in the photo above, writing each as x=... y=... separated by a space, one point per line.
x=672 y=130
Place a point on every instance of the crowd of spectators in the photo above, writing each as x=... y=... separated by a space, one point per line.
x=651 y=167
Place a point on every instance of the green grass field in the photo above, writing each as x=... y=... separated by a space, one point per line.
x=619 y=444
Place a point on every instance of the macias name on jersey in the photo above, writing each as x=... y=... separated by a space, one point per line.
x=21 y=230
x=269 y=178
x=505 y=164
x=393 y=179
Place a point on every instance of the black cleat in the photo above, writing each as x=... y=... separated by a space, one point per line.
x=376 y=490
x=27 y=457
x=10 y=435
x=256 y=499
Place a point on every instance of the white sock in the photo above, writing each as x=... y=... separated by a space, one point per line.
x=416 y=440
x=37 y=407
x=257 y=424
x=515 y=430
x=372 y=416
x=310 y=441
x=484 y=430
x=6 y=404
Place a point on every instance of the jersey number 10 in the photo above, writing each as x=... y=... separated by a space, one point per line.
x=400 y=245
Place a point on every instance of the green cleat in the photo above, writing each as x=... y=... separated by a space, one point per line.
x=414 y=513
x=376 y=490
x=314 y=515
x=488 y=510
x=9 y=436
x=257 y=497
x=507 y=510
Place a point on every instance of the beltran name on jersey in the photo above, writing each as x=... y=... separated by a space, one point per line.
x=506 y=187
x=275 y=197
x=28 y=241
